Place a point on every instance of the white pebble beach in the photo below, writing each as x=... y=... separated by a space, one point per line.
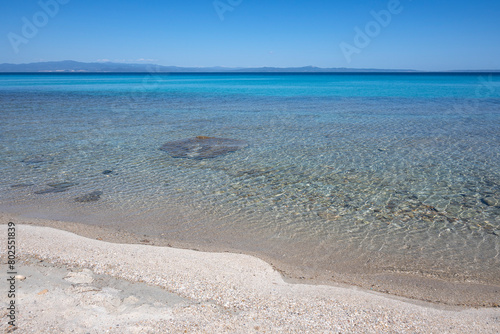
x=75 y=284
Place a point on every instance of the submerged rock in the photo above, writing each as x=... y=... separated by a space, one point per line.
x=107 y=172
x=50 y=190
x=56 y=188
x=22 y=185
x=253 y=172
x=437 y=203
x=90 y=197
x=202 y=147
x=36 y=159
x=490 y=201
x=62 y=185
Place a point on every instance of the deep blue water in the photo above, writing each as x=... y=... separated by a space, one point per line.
x=402 y=169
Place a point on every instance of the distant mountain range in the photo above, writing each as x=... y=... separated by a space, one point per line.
x=70 y=66
x=75 y=66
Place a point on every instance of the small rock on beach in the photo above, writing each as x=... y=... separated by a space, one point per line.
x=83 y=277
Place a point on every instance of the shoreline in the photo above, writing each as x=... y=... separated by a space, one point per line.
x=227 y=293
x=417 y=287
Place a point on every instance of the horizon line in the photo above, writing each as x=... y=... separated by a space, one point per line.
x=223 y=69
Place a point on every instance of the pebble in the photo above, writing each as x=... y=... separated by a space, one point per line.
x=391 y=205
x=83 y=277
x=490 y=201
x=20 y=277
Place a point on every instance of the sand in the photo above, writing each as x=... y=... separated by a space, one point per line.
x=76 y=284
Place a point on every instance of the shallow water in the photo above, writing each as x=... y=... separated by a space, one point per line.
x=354 y=173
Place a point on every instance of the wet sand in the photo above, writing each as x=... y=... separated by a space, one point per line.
x=419 y=285
x=81 y=284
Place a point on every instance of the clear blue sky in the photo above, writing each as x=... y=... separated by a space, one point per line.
x=423 y=34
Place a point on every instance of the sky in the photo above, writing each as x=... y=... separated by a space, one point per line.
x=429 y=35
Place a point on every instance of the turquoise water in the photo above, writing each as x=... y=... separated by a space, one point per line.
x=342 y=173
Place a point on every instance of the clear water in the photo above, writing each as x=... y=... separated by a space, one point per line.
x=353 y=173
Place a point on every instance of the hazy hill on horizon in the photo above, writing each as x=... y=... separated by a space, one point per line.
x=75 y=66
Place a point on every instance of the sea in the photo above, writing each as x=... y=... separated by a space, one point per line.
x=341 y=174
